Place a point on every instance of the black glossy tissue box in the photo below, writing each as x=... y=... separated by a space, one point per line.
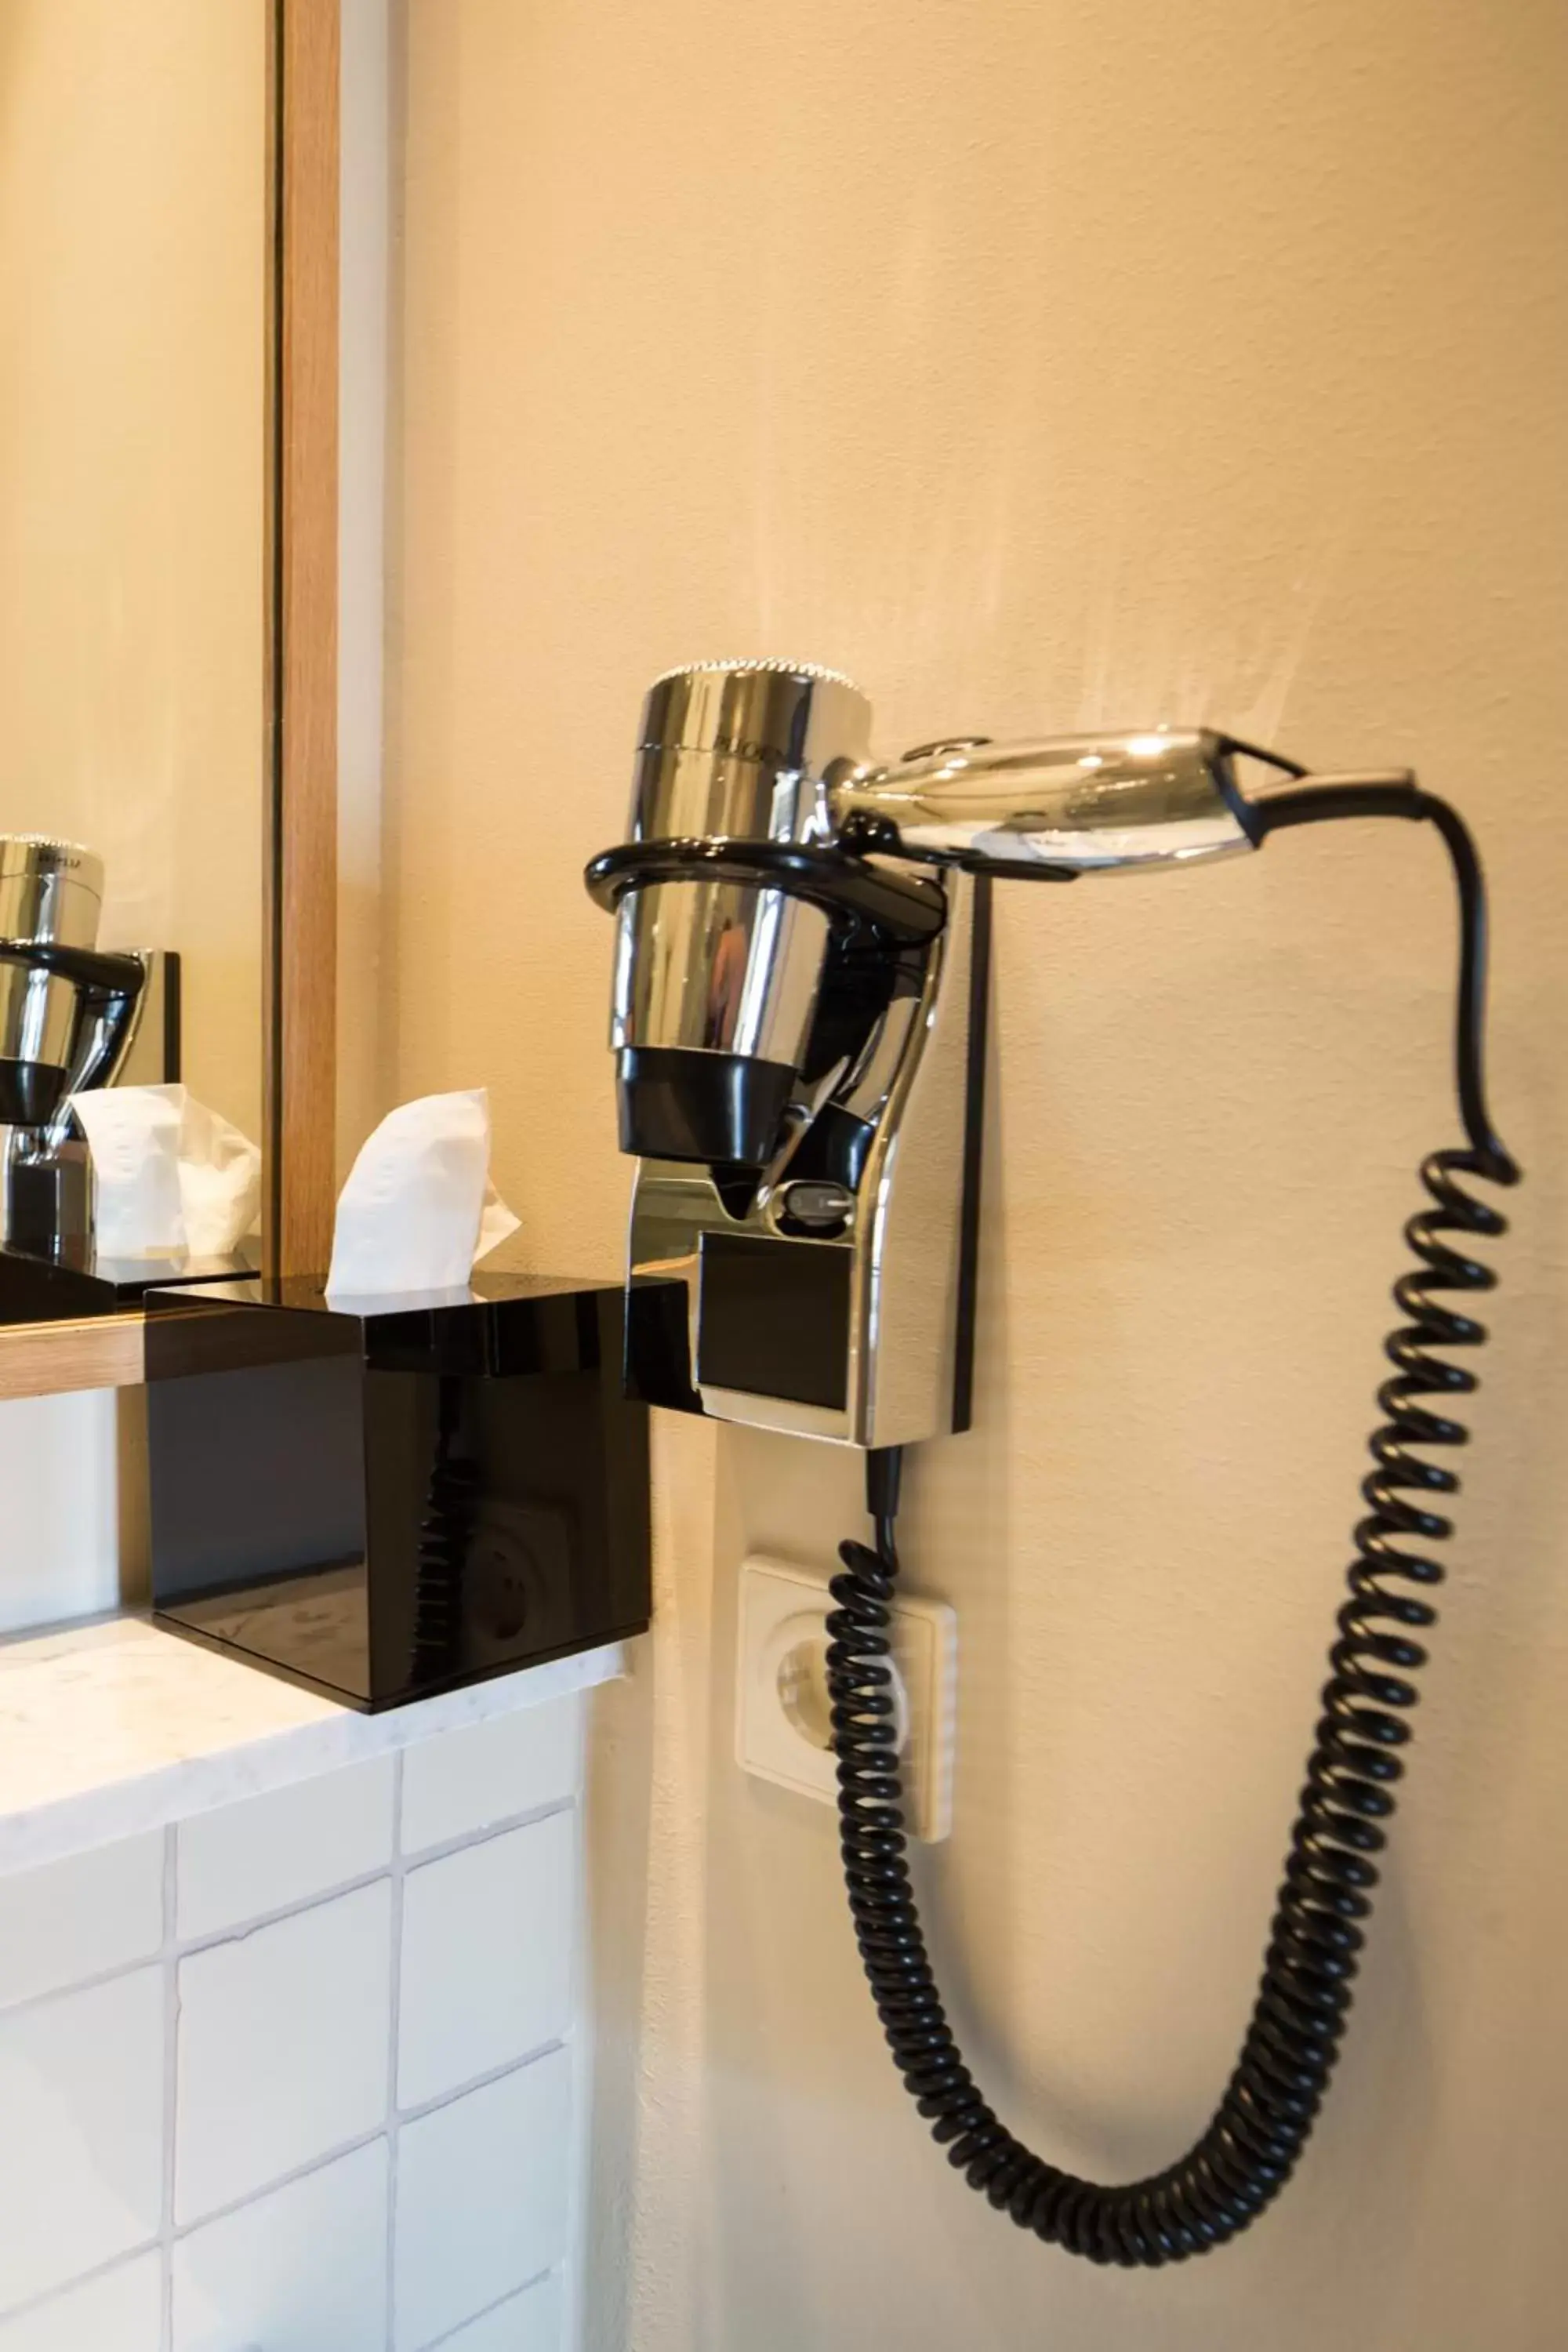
x=52 y=1290
x=395 y=1496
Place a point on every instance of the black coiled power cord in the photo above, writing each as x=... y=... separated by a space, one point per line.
x=1252 y=2144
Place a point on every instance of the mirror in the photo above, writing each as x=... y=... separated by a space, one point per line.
x=137 y=261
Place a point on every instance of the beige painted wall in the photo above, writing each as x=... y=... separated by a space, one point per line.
x=132 y=378
x=365 y=173
x=1041 y=365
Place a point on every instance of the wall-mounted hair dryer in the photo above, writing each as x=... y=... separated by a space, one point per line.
x=799 y=1014
x=67 y=1015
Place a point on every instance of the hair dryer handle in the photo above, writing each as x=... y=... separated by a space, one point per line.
x=111 y=994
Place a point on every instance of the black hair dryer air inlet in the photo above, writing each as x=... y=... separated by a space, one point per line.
x=799 y=1015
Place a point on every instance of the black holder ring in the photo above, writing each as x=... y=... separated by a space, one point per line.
x=907 y=911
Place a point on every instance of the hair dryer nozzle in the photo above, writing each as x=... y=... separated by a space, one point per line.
x=1072 y=804
x=717 y=1108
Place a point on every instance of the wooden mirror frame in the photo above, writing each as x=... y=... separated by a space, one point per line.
x=299 y=708
x=300 y=990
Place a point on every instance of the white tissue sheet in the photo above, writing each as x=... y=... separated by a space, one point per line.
x=220 y=1180
x=134 y=1134
x=496 y=1222
x=418 y=1207
x=171 y=1174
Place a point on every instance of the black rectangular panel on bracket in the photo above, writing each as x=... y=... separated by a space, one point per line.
x=772 y=1318
x=658 y=1368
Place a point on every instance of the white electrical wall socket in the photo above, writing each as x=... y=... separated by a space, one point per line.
x=782 y=1728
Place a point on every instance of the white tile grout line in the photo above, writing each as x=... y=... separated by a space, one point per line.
x=163 y=1959
x=171 y=2234
x=584 y=2058
x=351 y=2148
x=171 y=1969
x=41 y=2301
x=416 y=2115
x=394 y=2037
x=285 y=2180
x=239 y=1933
x=184 y=2229
x=502 y=2302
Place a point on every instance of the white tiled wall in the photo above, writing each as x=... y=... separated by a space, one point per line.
x=304 y=2075
x=60 y=1545
x=481 y=1987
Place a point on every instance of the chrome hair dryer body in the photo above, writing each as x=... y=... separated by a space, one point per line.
x=67 y=1015
x=796 y=1031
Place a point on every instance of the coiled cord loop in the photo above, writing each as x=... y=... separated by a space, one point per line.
x=1256 y=2137
x=1252 y=2145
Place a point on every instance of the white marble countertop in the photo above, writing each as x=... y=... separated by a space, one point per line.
x=111 y=1727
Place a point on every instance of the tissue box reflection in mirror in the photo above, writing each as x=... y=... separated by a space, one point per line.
x=384 y=1498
